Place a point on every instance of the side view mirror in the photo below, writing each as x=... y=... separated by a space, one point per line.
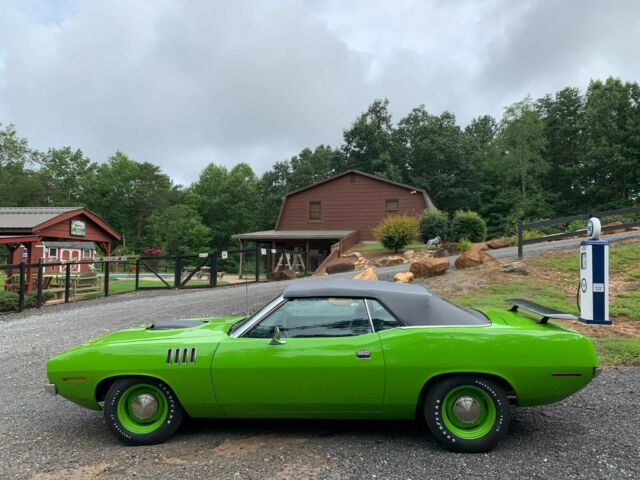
x=277 y=337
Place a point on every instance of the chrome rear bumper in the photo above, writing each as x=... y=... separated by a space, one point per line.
x=50 y=388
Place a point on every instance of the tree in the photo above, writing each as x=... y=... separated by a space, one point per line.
x=562 y=118
x=438 y=158
x=369 y=144
x=21 y=185
x=126 y=193
x=14 y=148
x=67 y=174
x=178 y=229
x=522 y=142
x=611 y=145
x=227 y=201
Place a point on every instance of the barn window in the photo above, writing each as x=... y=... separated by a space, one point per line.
x=53 y=252
x=314 y=210
x=391 y=207
x=86 y=253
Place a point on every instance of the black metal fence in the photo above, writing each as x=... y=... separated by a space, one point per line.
x=522 y=227
x=24 y=285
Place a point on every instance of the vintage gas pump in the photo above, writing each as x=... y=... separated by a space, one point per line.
x=594 y=277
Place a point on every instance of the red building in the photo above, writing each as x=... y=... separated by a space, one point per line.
x=338 y=212
x=52 y=234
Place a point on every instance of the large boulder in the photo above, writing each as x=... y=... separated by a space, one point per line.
x=474 y=257
x=499 y=243
x=429 y=267
x=403 y=277
x=515 y=267
x=368 y=274
x=388 y=261
x=341 y=267
x=281 y=275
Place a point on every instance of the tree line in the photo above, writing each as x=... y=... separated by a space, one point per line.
x=561 y=154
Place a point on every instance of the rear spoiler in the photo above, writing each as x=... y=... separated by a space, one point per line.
x=546 y=312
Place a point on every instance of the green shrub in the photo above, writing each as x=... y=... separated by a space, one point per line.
x=434 y=223
x=575 y=225
x=528 y=235
x=8 y=301
x=469 y=225
x=397 y=231
x=464 y=245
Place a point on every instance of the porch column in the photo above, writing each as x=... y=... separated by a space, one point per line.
x=306 y=264
x=273 y=256
x=241 y=268
x=31 y=246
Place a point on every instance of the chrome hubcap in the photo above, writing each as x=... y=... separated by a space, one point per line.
x=466 y=409
x=144 y=406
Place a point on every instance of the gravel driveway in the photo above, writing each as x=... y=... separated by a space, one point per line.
x=592 y=435
x=511 y=253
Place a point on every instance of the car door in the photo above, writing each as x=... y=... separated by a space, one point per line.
x=327 y=362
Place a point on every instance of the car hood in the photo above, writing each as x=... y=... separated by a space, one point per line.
x=207 y=328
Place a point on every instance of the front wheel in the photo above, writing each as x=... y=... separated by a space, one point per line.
x=142 y=411
x=467 y=414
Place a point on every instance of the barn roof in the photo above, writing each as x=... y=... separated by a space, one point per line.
x=28 y=220
x=29 y=217
x=427 y=199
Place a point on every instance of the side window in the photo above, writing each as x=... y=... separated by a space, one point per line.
x=315 y=210
x=391 y=207
x=316 y=317
x=381 y=318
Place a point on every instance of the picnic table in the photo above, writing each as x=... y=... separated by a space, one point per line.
x=80 y=283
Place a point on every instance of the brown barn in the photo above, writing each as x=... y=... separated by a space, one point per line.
x=338 y=212
x=52 y=234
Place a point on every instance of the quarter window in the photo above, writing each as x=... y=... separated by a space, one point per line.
x=381 y=318
x=314 y=210
x=391 y=207
x=316 y=317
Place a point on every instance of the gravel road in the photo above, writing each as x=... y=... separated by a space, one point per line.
x=511 y=253
x=592 y=435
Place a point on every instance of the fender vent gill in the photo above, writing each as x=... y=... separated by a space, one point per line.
x=181 y=355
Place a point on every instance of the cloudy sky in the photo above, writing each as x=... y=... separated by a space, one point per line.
x=182 y=83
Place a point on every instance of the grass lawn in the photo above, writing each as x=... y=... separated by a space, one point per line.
x=553 y=282
x=378 y=247
x=123 y=286
x=2 y=277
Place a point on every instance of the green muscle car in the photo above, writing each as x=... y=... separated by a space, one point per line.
x=332 y=349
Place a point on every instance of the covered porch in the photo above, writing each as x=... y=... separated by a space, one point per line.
x=314 y=246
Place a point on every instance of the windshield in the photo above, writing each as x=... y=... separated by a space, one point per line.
x=245 y=321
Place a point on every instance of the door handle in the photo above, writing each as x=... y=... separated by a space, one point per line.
x=363 y=354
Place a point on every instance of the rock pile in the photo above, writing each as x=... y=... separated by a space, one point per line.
x=429 y=267
x=368 y=274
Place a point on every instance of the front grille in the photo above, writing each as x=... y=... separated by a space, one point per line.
x=181 y=355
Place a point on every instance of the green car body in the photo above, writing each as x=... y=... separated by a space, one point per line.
x=215 y=374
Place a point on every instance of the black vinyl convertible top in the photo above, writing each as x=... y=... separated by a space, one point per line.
x=413 y=305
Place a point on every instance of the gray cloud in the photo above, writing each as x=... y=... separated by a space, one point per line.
x=182 y=84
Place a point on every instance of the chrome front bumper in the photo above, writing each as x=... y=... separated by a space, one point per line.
x=50 y=388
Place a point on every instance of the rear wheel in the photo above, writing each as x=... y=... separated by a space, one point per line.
x=142 y=411
x=467 y=414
